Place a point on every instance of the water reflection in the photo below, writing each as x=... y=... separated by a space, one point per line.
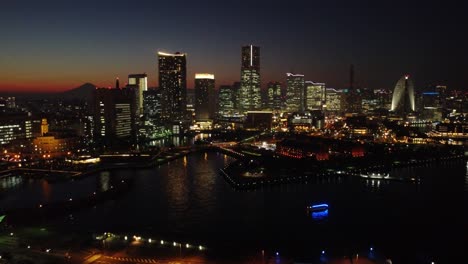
x=319 y=215
x=178 y=185
x=329 y=179
x=104 y=181
x=202 y=136
x=45 y=186
x=373 y=184
x=10 y=182
x=172 y=141
x=466 y=178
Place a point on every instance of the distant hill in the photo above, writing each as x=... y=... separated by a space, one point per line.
x=84 y=92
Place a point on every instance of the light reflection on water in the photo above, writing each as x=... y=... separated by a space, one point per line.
x=173 y=140
x=374 y=185
x=104 y=179
x=189 y=197
x=322 y=215
x=466 y=178
x=45 y=191
x=10 y=182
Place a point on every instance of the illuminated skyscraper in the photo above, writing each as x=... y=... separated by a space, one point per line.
x=204 y=96
x=173 y=85
x=274 y=95
x=236 y=89
x=226 y=97
x=334 y=99
x=295 y=92
x=250 y=96
x=315 y=95
x=113 y=113
x=403 y=96
x=140 y=83
x=152 y=104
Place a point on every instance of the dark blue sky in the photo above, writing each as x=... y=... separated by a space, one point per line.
x=57 y=45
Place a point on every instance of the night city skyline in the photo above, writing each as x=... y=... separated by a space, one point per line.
x=55 y=46
x=222 y=132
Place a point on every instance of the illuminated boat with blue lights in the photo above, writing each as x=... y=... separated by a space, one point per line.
x=317 y=208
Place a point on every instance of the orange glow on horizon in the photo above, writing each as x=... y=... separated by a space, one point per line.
x=62 y=86
x=38 y=87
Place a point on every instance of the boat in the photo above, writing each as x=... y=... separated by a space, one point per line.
x=377 y=176
x=317 y=207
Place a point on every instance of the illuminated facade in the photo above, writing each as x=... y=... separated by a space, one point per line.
x=274 y=95
x=44 y=126
x=333 y=100
x=140 y=83
x=204 y=96
x=173 y=85
x=315 y=95
x=302 y=149
x=295 y=92
x=250 y=95
x=226 y=99
x=14 y=127
x=152 y=103
x=113 y=113
x=403 y=96
x=52 y=146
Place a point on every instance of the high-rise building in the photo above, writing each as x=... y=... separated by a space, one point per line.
x=333 y=100
x=295 y=92
x=442 y=90
x=351 y=97
x=274 y=95
x=113 y=113
x=152 y=103
x=173 y=85
x=403 y=96
x=139 y=82
x=226 y=98
x=204 y=96
x=15 y=126
x=191 y=102
x=250 y=94
x=315 y=95
x=236 y=89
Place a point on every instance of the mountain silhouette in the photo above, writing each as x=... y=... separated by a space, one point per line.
x=84 y=92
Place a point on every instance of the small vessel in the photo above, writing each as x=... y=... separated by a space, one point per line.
x=374 y=175
x=318 y=207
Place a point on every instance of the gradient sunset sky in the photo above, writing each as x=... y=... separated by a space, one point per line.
x=59 y=45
